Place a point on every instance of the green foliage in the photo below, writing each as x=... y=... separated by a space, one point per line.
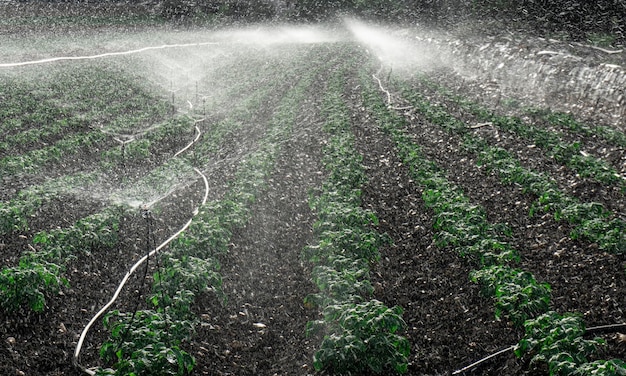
x=363 y=338
x=26 y=285
x=344 y=284
x=591 y=219
x=557 y=340
x=14 y=217
x=180 y=280
x=96 y=232
x=609 y=134
x=146 y=343
x=150 y=343
x=33 y=161
x=613 y=367
x=518 y=295
x=364 y=335
x=463 y=226
x=39 y=272
x=591 y=224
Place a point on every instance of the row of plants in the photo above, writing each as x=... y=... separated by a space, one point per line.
x=567 y=121
x=462 y=225
x=550 y=338
x=144 y=146
x=591 y=220
x=138 y=149
x=17 y=211
x=34 y=161
x=21 y=109
x=91 y=94
x=566 y=153
x=46 y=278
x=149 y=342
x=30 y=137
x=106 y=95
x=361 y=334
x=15 y=214
x=71 y=100
x=40 y=269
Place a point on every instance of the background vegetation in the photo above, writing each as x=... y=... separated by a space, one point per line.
x=599 y=22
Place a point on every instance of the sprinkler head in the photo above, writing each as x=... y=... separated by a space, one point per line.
x=145 y=212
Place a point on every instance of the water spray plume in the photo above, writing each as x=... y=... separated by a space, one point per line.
x=394 y=49
x=145 y=209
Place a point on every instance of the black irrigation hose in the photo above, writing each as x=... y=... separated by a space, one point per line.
x=147 y=215
x=592 y=330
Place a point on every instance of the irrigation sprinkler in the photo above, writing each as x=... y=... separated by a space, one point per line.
x=105 y=308
x=123 y=148
x=147 y=214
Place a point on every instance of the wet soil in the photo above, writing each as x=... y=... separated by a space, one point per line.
x=259 y=329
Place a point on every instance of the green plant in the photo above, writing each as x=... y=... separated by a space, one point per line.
x=363 y=337
x=13 y=217
x=146 y=343
x=613 y=367
x=27 y=285
x=180 y=280
x=518 y=295
x=557 y=340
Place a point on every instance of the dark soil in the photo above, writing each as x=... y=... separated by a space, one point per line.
x=260 y=328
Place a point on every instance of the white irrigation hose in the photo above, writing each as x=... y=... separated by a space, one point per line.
x=140 y=261
x=510 y=348
x=131 y=271
x=192 y=142
x=380 y=85
x=106 y=54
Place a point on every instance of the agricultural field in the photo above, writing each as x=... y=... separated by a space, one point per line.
x=299 y=200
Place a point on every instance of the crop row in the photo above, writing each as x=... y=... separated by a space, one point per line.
x=33 y=161
x=591 y=220
x=566 y=153
x=564 y=120
x=550 y=338
x=149 y=341
x=86 y=96
x=14 y=214
x=29 y=137
x=28 y=283
x=17 y=211
x=360 y=333
x=39 y=272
